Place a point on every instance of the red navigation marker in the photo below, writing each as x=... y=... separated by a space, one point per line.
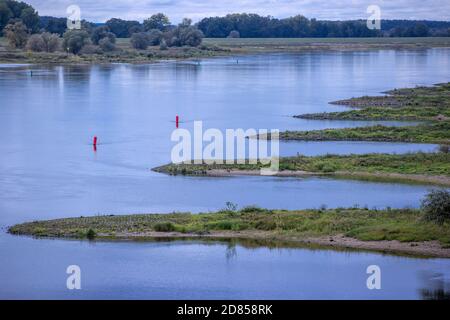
x=177 y=120
x=95 y=141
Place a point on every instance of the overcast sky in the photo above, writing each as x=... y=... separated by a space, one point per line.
x=102 y=10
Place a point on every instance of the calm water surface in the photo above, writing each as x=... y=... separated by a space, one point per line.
x=49 y=170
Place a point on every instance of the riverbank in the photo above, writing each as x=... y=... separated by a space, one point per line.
x=424 y=168
x=124 y=53
x=262 y=45
x=395 y=231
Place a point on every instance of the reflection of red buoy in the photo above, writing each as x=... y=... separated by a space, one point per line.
x=95 y=141
x=177 y=121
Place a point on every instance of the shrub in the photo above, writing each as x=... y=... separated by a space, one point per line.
x=17 y=34
x=75 y=40
x=36 y=43
x=254 y=209
x=234 y=34
x=265 y=225
x=99 y=33
x=154 y=37
x=51 y=41
x=90 y=49
x=106 y=45
x=91 y=234
x=436 y=206
x=164 y=227
x=140 y=40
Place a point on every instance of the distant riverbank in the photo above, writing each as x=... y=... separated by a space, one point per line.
x=396 y=231
x=214 y=47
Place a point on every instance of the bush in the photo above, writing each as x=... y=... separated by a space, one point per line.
x=75 y=40
x=234 y=34
x=91 y=234
x=164 y=227
x=154 y=37
x=17 y=34
x=140 y=40
x=51 y=41
x=254 y=209
x=436 y=206
x=99 y=33
x=106 y=45
x=90 y=49
x=36 y=43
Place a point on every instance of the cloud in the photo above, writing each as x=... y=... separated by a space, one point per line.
x=102 y=10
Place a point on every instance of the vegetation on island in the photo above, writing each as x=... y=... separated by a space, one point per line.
x=411 y=104
x=429 y=105
x=404 y=225
x=438 y=133
x=419 y=167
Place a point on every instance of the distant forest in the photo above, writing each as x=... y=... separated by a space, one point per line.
x=236 y=25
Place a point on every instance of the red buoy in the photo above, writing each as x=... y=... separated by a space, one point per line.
x=95 y=141
x=177 y=121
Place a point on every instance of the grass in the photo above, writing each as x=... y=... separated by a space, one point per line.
x=407 y=164
x=400 y=224
x=412 y=104
x=431 y=105
x=438 y=133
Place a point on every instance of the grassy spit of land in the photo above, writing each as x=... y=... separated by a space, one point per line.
x=401 y=231
x=217 y=47
x=428 y=104
x=428 y=168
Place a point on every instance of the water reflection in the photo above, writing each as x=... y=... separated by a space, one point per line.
x=436 y=286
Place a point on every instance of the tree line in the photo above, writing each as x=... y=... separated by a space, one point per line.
x=232 y=25
x=23 y=28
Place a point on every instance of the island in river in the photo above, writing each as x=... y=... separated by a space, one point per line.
x=389 y=230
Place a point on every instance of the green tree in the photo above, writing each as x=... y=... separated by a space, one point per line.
x=51 y=41
x=154 y=37
x=17 y=34
x=74 y=40
x=30 y=18
x=123 y=28
x=157 y=21
x=5 y=14
x=234 y=34
x=436 y=206
x=102 y=32
x=140 y=40
x=106 y=44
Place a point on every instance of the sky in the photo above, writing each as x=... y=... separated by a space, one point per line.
x=102 y=10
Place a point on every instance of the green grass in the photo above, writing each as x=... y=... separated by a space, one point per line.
x=413 y=104
x=403 y=225
x=410 y=163
x=430 y=105
x=438 y=133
